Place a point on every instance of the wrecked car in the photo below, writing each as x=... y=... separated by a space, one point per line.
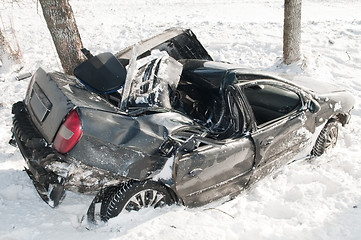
x=162 y=123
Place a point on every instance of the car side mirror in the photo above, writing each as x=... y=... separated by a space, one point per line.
x=168 y=147
x=314 y=106
x=189 y=145
x=194 y=141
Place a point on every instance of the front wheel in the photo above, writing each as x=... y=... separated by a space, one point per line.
x=133 y=196
x=327 y=138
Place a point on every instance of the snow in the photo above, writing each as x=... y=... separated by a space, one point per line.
x=166 y=172
x=317 y=199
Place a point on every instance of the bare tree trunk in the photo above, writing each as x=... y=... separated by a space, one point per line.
x=292 y=31
x=6 y=50
x=61 y=23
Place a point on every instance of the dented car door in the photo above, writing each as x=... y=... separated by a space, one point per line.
x=221 y=168
x=282 y=125
x=211 y=171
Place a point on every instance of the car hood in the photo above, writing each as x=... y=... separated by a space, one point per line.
x=313 y=85
x=337 y=97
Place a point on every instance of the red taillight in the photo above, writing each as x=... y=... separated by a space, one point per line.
x=69 y=133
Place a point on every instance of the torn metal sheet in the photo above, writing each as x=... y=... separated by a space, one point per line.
x=178 y=43
x=155 y=82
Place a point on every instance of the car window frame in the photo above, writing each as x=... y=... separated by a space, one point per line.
x=302 y=106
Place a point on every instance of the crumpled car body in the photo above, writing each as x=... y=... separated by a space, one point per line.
x=205 y=130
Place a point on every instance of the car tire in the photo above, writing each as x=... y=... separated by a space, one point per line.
x=327 y=138
x=133 y=196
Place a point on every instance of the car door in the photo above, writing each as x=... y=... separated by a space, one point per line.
x=218 y=168
x=281 y=124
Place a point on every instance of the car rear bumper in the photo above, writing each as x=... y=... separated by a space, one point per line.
x=51 y=172
x=37 y=155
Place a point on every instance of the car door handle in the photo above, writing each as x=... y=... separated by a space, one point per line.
x=267 y=141
x=195 y=172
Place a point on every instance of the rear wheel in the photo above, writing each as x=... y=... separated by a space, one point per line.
x=327 y=138
x=133 y=196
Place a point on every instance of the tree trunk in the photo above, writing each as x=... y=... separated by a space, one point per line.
x=292 y=31
x=62 y=26
x=6 y=51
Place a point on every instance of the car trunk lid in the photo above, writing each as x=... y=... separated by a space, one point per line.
x=47 y=105
x=50 y=98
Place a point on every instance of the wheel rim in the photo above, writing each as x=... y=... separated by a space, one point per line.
x=331 y=137
x=145 y=198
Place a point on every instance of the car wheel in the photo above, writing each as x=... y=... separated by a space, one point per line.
x=327 y=138
x=133 y=196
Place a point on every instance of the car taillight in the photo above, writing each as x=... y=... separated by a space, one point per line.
x=69 y=133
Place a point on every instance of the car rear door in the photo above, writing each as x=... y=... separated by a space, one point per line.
x=221 y=168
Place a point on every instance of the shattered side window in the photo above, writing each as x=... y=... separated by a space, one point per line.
x=270 y=102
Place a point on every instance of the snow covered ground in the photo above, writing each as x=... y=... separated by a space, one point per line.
x=318 y=199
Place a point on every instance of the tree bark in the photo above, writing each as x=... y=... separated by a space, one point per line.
x=61 y=23
x=292 y=31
